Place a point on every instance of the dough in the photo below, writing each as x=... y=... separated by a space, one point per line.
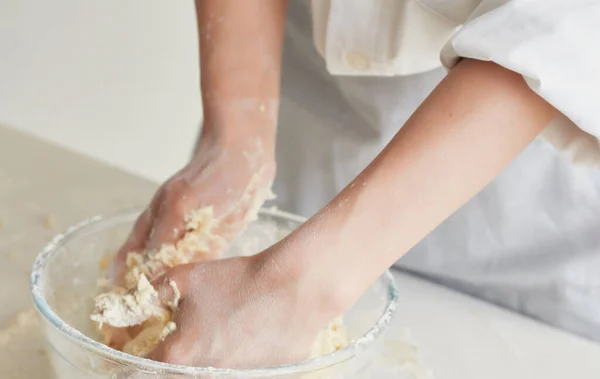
x=132 y=319
x=137 y=304
x=332 y=338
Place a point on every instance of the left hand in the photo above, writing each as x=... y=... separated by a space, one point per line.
x=233 y=177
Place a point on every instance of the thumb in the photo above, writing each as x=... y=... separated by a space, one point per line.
x=177 y=348
x=172 y=287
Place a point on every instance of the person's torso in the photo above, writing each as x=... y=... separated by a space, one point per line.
x=530 y=241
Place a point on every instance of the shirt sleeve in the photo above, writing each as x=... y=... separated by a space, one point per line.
x=378 y=37
x=555 y=45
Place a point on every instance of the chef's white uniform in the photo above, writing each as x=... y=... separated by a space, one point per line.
x=355 y=70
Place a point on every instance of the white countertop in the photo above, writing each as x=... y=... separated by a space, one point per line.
x=44 y=188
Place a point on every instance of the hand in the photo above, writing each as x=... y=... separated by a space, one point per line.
x=234 y=177
x=242 y=312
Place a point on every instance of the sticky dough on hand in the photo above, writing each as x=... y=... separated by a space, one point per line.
x=137 y=304
x=132 y=318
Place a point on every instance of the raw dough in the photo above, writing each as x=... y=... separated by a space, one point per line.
x=333 y=338
x=132 y=319
x=123 y=309
x=137 y=303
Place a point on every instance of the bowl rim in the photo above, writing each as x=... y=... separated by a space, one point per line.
x=315 y=364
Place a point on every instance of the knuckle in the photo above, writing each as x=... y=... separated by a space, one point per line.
x=179 y=209
x=178 y=274
x=177 y=199
x=176 y=187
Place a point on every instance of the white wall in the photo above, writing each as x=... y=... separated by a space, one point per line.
x=115 y=79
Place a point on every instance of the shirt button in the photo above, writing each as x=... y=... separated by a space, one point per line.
x=357 y=60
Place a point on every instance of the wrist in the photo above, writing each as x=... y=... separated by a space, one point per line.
x=327 y=256
x=241 y=125
x=289 y=272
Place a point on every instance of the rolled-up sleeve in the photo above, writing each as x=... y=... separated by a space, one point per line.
x=555 y=46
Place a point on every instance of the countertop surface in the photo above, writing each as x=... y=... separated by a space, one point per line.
x=44 y=189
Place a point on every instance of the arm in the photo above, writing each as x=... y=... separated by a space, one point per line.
x=240 y=59
x=230 y=175
x=475 y=122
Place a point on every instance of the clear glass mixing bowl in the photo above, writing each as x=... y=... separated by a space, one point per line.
x=64 y=283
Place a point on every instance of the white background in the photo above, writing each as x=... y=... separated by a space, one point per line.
x=114 y=79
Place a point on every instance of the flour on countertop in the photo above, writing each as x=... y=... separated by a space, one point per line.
x=402 y=357
x=22 y=353
x=50 y=221
x=23 y=321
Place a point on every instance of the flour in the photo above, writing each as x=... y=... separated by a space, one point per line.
x=123 y=309
x=22 y=352
x=50 y=221
x=21 y=323
x=402 y=358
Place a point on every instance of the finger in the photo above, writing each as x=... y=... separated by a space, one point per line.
x=137 y=237
x=139 y=232
x=173 y=286
x=169 y=226
x=172 y=289
x=133 y=243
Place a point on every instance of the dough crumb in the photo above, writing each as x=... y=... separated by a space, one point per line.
x=50 y=222
x=167 y=330
x=153 y=332
x=130 y=308
x=173 y=304
x=12 y=255
x=333 y=338
x=106 y=261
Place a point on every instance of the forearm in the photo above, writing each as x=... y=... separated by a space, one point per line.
x=475 y=122
x=240 y=59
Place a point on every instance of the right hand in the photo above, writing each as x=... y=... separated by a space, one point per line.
x=246 y=312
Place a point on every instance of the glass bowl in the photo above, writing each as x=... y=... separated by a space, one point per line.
x=64 y=283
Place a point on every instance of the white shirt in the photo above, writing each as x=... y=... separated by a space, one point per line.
x=554 y=44
x=529 y=241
